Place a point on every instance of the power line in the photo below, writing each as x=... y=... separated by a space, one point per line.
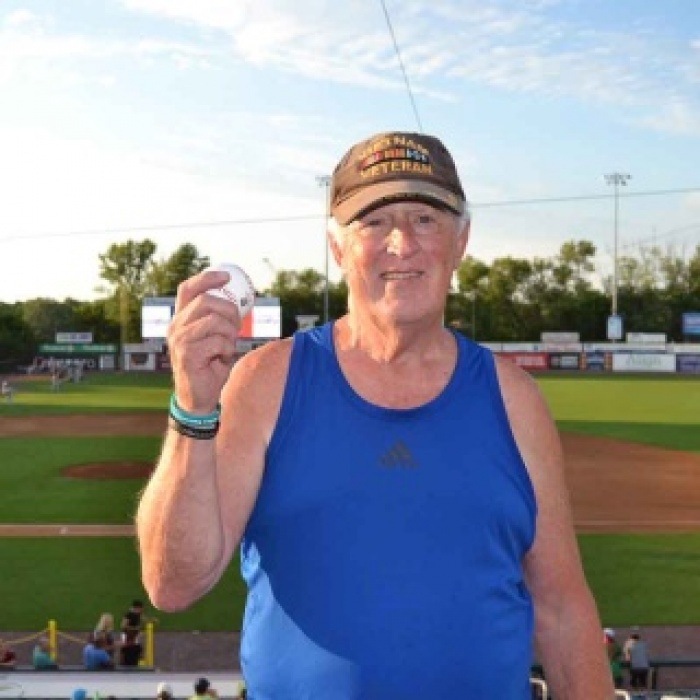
x=403 y=68
x=286 y=219
x=575 y=198
x=157 y=227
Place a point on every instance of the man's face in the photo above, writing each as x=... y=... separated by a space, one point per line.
x=399 y=259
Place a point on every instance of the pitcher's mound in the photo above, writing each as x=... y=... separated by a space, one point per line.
x=109 y=470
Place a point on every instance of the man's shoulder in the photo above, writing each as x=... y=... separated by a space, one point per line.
x=268 y=364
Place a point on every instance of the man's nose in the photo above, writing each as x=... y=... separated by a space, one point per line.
x=402 y=240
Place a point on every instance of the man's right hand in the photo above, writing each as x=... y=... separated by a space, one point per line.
x=202 y=342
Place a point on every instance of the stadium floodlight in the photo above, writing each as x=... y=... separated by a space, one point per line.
x=616 y=180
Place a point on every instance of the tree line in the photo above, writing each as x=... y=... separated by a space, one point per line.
x=510 y=299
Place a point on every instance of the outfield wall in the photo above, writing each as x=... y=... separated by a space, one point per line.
x=601 y=357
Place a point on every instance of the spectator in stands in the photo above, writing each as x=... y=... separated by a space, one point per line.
x=41 y=655
x=131 y=649
x=104 y=630
x=7 y=390
x=164 y=691
x=8 y=658
x=614 y=652
x=637 y=655
x=133 y=618
x=397 y=491
x=95 y=658
x=203 y=690
x=79 y=694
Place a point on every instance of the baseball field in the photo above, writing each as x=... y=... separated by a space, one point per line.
x=73 y=462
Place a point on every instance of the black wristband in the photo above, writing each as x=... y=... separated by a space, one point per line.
x=190 y=432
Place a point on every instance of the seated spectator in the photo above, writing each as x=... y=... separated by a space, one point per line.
x=164 y=691
x=104 y=630
x=8 y=658
x=95 y=657
x=41 y=656
x=203 y=690
x=131 y=650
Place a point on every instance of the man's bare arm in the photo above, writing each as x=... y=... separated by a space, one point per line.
x=196 y=505
x=568 y=634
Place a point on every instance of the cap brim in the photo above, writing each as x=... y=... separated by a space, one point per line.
x=375 y=195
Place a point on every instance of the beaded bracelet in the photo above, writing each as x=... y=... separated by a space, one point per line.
x=196 y=433
x=193 y=420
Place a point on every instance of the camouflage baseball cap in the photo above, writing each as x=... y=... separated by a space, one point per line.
x=394 y=166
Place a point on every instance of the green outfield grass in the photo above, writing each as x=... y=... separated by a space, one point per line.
x=74 y=580
x=636 y=579
x=99 y=393
x=32 y=488
x=607 y=399
x=644 y=579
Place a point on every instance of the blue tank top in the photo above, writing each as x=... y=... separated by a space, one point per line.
x=383 y=555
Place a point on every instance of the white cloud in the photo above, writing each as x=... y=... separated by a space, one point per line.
x=213 y=14
x=19 y=18
x=524 y=47
x=30 y=50
x=676 y=118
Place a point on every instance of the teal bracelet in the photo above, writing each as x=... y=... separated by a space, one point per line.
x=193 y=420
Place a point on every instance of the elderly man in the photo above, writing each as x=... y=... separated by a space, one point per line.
x=397 y=492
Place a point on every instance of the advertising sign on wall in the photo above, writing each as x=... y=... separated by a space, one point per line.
x=560 y=337
x=688 y=364
x=638 y=362
x=595 y=361
x=527 y=360
x=82 y=337
x=564 y=360
x=691 y=323
x=615 y=327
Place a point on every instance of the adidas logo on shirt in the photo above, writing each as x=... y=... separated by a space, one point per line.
x=398 y=456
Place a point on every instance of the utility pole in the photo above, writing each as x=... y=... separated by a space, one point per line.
x=325 y=181
x=123 y=322
x=616 y=180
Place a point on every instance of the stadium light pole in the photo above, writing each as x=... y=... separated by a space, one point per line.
x=616 y=180
x=325 y=181
x=273 y=269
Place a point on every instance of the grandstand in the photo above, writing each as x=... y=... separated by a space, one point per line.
x=61 y=684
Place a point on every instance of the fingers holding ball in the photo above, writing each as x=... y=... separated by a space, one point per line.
x=239 y=288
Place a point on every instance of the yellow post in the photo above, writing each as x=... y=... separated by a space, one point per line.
x=148 y=652
x=53 y=640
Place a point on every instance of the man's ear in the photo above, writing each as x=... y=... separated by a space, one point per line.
x=336 y=249
x=461 y=244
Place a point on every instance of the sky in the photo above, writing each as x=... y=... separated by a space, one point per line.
x=210 y=122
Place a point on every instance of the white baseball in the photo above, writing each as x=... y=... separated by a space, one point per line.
x=239 y=289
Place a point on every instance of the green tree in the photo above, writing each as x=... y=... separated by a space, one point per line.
x=47 y=316
x=126 y=267
x=17 y=342
x=302 y=292
x=93 y=316
x=164 y=277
